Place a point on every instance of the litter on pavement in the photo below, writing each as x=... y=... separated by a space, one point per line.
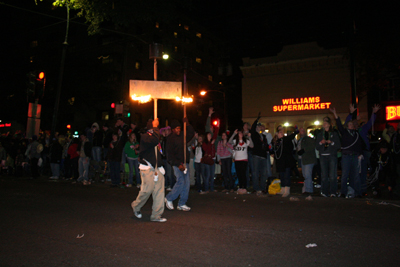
x=311 y=245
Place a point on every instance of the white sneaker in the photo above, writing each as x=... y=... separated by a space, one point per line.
x=183 y=208
x=159 y=220
x=169 y=204
x=138 y=214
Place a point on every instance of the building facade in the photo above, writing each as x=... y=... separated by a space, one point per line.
x=297 y=87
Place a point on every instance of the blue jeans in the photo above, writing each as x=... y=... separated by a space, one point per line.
x=199 y=172
x=209 y=171
x=364 y=170
x=96 y=153
x=83 y=169
x=134 y=163
x=226 y=166
x=169 y=176
x=115 y=172
x=249 y=168
x=105 y=152
x=328 y=174
x=285 y=177
x=123 y=161
x=307 y=174
x=261 y=172
x=181 y=187
x=350 y=173
x=55 y=169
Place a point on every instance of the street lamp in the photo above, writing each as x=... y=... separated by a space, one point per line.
x=156 y=52
x=204 y=92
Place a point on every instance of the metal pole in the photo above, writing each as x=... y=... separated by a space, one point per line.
x=60 y=78
x=184 y=111
x=155 y=79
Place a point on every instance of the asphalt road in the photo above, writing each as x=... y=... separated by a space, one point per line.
x=42 y=220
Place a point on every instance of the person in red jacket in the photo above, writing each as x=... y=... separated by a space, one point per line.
x=208 y=160
x=74 y=157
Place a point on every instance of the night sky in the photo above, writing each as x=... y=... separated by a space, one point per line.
x=251 y=28
x=261 y=28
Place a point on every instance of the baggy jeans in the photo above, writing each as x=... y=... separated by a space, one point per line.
x=153 y=188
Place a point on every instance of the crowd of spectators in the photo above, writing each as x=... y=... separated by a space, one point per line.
x=249 y=159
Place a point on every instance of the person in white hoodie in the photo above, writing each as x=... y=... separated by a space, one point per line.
x=240 y=145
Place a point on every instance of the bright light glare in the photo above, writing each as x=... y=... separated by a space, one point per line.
x=286 y=124
x=184 y=99
x=165 y=56
x=203 y=93
x=142 y=99
x=316 y=122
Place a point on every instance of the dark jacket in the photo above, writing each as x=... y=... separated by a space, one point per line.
x=115 y=154
x=148 y=142
x=352 y=143
x=55 y=152
x=260 y=142
x=330 y=149
x=98 y=138
x=124 y=129
x=107 y=138
x=283 y=153
x=308 y=144
x=363 y=130
x=87 y=148
x=175 y=147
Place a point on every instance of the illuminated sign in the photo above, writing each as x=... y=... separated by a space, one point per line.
x=392 y=113
x=2 y=125
x=302 y=103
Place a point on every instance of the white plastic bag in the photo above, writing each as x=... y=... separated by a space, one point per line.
x=40 y=162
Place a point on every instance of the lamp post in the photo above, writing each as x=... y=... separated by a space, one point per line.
x=204 y=92
x=156 y=52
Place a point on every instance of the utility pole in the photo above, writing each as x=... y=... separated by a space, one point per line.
x=60 y=78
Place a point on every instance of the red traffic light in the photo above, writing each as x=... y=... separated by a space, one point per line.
x=112 y=105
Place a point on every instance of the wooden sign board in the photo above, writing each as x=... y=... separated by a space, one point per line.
x=157 y=89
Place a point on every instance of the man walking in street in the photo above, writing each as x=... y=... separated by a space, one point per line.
x=175 y=156
x=151 y=173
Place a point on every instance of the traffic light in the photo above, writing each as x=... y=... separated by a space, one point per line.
x=126 y=109
x=68 y=126
x=40 y=84
x=215 y=123
x=112 y=105
x=36 y=83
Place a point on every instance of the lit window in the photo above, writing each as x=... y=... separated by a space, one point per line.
x=186 y=27
x=176 y=49
x=210 y=78
x=175 y=34
x=157 y=25
x=137 y=65
x=198 y=35
x=198 y=60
